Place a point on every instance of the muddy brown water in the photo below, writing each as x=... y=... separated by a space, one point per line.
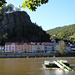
x=31 y=66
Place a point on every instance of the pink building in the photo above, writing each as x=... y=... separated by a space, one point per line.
x=29 y=47
x=11 y=47
x=25 y=47
x=18 y=47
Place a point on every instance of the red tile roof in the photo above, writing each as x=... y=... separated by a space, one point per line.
x=10 y=43
x=48 y=43
x=31 y=43
x=20 y=43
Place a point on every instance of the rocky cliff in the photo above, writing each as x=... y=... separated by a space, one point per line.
x=17 y=27
x=10 y=20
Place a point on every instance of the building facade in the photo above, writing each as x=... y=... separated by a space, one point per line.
x=73 y=48
x=48 y=47
x=2 y=49
x=39 y=47
x=11 y=47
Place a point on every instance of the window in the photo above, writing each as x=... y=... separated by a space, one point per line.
x=45 y=47
x=52 y=48
x=37 y=43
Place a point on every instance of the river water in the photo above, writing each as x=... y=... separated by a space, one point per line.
x=31 y=66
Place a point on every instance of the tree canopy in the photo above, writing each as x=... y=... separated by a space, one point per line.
x=66 y=33
x=9 y=8
x=62 y=47
x=1 y=3
x=30 y=4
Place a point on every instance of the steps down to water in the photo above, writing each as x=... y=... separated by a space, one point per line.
x=63 y=66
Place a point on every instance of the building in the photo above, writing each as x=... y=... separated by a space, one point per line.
x=25 y=48
x=1 y=49
x=29 y=47
x=20 y=48
x=37 y=47
x=73 y=48
x=11 y=47
x=56 y=47
x=49 y=47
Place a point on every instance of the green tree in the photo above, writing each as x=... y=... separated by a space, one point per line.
x=2 y=2
x=62 y=47
x=18 y=8
x=33 y=4
x=30 y=4
x=3 y=10
x=9 y=8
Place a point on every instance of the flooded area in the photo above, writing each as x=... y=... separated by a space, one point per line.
x=31 y=66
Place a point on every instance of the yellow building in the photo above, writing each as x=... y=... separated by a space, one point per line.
x=37 y=47
x=25 y=47
x=20 y=47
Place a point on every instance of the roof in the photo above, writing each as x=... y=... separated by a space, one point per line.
x=31 y=43
x=36 y=43
x=16 y=43
x=9 y=43
x=20 y=43
x=48 y=43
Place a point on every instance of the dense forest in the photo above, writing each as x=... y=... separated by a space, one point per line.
x=66 y=33
x=28 y=32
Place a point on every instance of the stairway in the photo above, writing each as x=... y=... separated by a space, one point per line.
x=63 y=66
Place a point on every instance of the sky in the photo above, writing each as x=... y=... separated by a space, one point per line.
x=56 y=13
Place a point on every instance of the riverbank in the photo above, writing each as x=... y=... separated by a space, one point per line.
x=33 y=55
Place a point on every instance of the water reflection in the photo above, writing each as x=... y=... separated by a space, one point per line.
x=56 y=72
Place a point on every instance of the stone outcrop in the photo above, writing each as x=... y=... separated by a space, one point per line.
x=10 y=20
x=17 y=27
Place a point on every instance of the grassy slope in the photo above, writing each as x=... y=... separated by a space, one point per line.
x=64 y=33
x=55 y=31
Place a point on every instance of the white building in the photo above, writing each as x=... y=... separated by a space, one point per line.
x=11 y=47
x=49 y=47
x=1 y=49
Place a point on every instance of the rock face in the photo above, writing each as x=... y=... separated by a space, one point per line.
x=17 y=27
x=10 y=20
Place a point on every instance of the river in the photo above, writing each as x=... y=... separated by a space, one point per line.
x=31 y=66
